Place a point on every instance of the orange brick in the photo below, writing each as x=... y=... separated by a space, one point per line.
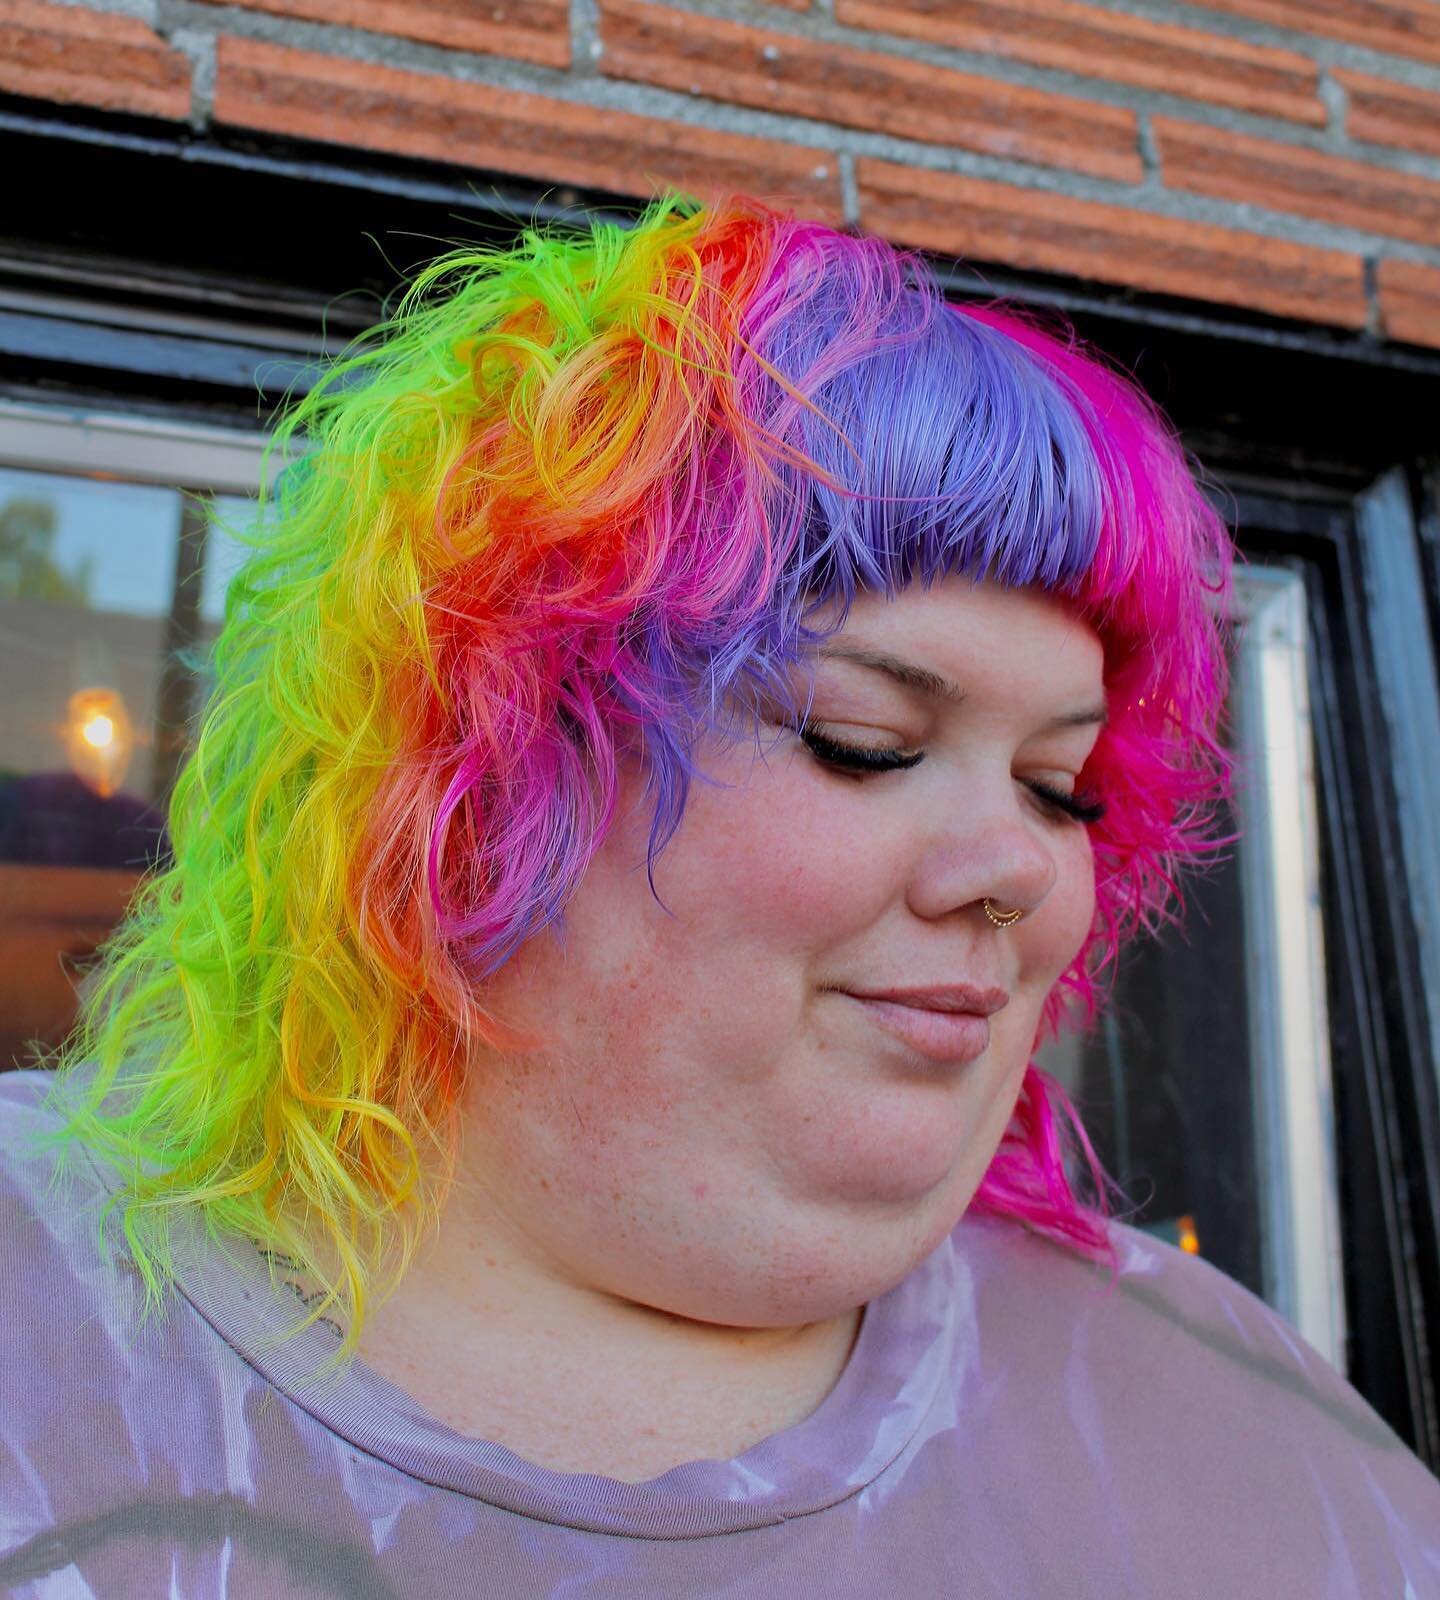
x=1109 y=45
x=1310 y=183
x=531 y=30
x=1409 y=301
x=1385 y=112
x=362 y=106
x=997 y=223
x=1408 y=28
x=864 y=89
x=93 y=58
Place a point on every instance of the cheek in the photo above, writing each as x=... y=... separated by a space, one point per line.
x=716 y=964
x=765 y=873
x=1077 y=913
x=695 y=1005
x=1061 y=925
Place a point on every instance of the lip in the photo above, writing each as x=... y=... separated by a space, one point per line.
x=949 y=997
x=951 y=1037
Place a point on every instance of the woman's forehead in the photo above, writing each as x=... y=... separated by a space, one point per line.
x=931 y=641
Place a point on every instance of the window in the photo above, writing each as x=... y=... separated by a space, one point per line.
x=112 y=584
x=1207 y=1086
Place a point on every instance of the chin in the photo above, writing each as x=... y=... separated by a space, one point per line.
x=894 y=1149
x=844 y=1264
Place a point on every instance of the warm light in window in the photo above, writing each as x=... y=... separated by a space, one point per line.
x=99 y=731
x=1189 y=1240
x=99 y=739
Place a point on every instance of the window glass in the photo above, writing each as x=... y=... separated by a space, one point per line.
x=1163 y=1084
x=1206 y=1083
x=224 y=555
x=110 y=593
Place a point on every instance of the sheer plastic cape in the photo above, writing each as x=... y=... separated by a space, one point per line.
x=1006 y=1427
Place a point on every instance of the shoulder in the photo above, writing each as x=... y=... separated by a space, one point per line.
x=23 y=1097
x=1173 y=1377
x=68 y=1317
x=1167 y=1320
x=58 y=1246
x=28 y=1097
x=30 y=1104
x=1159 y=1294
x=55 y=1191
x=29 y=1161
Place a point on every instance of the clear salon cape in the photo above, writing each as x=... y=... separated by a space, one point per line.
x=1008 y=1426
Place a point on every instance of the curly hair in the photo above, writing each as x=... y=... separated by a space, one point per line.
x=578 y=492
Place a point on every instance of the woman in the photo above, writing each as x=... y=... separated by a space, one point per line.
x=701 y=712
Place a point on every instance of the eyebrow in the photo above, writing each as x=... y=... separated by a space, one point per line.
x=935 y=687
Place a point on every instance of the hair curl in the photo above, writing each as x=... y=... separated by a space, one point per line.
x=574 y=494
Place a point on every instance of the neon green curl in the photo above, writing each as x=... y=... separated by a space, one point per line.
x=243 y=1052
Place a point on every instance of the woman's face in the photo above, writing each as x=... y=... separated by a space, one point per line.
x=718 y=1128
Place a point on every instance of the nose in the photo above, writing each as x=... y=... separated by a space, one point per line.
x=988 y=848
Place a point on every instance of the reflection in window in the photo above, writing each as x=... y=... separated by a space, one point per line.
x=1206 y=1085
x=110 y=593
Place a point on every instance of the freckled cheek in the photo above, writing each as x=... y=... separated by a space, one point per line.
x=786 y=872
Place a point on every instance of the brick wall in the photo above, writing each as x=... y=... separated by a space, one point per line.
x=1280 y=155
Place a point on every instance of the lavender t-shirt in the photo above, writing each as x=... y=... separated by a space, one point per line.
x=1005 y=1428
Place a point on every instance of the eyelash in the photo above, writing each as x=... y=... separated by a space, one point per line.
x=864 y=762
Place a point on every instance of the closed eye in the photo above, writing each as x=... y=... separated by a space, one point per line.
x=1077 y=807
x=856 y=757
x=865 y=761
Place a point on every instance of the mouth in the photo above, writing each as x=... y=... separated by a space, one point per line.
x=950 y=1037
x=971 y=997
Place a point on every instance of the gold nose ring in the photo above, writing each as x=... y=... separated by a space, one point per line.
x=1001 y=919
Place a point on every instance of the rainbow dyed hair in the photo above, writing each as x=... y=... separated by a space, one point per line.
x=576 y=496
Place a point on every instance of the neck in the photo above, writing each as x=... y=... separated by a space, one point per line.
x=485 y=1332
